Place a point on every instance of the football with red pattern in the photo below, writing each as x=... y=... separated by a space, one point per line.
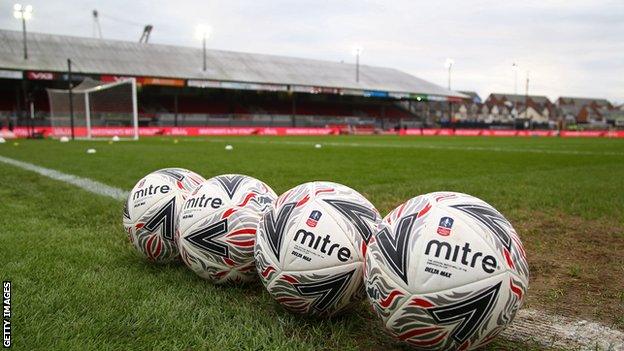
x=151 y=210
x=446 y=271
x=311 y=245
x=217 y=227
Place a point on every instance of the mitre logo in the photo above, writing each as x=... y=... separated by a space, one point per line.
x=452 y=253
x=323 y=245
x=203 y=201
x=151 y=190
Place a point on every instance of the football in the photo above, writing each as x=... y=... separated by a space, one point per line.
x=150 y=211
x=446 y=271
x=311 y=245
x=217 y=227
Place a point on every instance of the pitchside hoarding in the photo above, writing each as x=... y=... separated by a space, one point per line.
x=36 y=75
x=7 y=74
x=106 y=132
x=198 y=83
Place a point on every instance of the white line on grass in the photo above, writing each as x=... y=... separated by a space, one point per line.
x=547 y=330
x=414 y=146
x=83 y=183
x=562 y=332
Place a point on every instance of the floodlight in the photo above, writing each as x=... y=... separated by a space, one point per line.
x=202 y=31
x=357 y=51
x=449 y=63
x=23 y=13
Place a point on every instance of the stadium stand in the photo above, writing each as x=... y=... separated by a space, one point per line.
x=239 y=89
x=236 y=89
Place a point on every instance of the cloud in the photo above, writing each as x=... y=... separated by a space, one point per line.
x=569 y=47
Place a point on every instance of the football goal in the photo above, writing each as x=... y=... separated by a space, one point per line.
x=95 y=104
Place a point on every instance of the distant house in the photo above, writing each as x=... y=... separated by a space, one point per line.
x=585 y=110
x=507 y=107
x=465 y=110
x=616 y=116
x=469 y=109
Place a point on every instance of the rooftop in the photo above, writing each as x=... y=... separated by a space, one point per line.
x=539 y=99
x=473 y=95
x=98 y=56
x=581 y=101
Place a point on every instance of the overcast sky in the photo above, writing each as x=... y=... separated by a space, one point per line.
x=571 y=48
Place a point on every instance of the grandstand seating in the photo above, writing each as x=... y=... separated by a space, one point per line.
x=157 y=107
x=8 y=100
x=201 y=105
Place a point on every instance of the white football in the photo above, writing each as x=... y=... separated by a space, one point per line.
x=150 y=212
x=217 y=227
x=311 y=244
x=64 y=139
x=446 y=271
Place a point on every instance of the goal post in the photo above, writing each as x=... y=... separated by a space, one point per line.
x=96 y=104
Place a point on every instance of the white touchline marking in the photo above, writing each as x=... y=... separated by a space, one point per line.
x=547 y=330
x=83 y=183
x=562 y=332
x=414 y=146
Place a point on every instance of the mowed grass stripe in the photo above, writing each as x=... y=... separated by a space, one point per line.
x=579 y=185
x=83 y=183
x=415 y=145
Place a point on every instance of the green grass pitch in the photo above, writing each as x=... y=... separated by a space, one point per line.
x=78 y=284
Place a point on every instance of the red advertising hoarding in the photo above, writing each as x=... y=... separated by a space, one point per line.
x=34 y=75
x=285 y=131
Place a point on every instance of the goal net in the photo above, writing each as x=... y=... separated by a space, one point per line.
x=95 y=105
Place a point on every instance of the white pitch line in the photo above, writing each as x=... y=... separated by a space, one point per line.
x=547 y=330
x=562 y=332
x=83 y=183
x=416 y=146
